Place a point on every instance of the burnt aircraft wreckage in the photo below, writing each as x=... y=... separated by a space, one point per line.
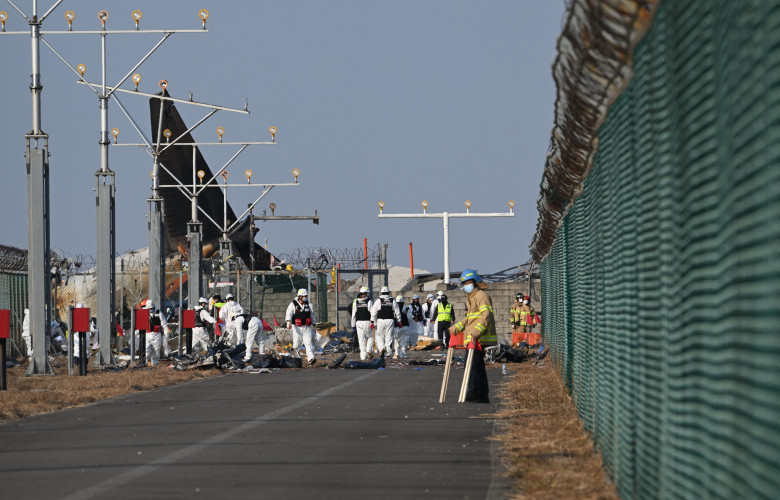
x=179 y=162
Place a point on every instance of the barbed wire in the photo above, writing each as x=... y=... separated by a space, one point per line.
x=325 y=258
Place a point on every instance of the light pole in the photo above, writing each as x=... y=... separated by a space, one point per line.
x=445 y=217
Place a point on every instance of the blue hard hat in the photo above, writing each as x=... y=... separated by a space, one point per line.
x=470 y=274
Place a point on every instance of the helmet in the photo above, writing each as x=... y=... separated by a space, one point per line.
x=527 y=297
x=415 y=297
x=229 y=296
x=363 y=289
x=303 y=293
x=149 y=304
x=202 y=300
x=442 y=297
x=439 y=293
x=470 y=274
x=79 y=306
x=429 y=297
x=385 y=291
x=399 y=298
x=519 y=296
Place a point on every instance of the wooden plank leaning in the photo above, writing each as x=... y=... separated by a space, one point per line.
x=466 y=373
x=444 y=382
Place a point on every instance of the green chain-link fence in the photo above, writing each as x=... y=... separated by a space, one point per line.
x=661 y=295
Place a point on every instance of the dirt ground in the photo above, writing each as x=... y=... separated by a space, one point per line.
x=544 y=448
x=27 y=396
x=546 y=451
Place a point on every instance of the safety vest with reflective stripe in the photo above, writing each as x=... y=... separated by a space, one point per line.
x=479 y=317
x=444 y=313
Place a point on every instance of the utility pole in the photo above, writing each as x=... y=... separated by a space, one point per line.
x=445 y=217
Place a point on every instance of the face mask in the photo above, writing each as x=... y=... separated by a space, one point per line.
x=468 y=288
x=525 y=302
x=304 y=300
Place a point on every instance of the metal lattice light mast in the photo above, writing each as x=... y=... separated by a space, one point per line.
x=193 y=191
x=445 y=216
x=105 y=177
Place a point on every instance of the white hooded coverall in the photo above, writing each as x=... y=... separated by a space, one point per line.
x=156 y=341
x=254 y=335
x=401 y=334
x=234 y=330
x=200 y=336
x=429 y=319
x=303 y=333
x=361 y=321
x=385 y=314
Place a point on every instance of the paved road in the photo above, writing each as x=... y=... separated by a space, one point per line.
x=317 y=433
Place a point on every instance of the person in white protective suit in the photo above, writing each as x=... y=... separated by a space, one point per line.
x=361 y=322
x=26 y=333
x=254 y=335
x=200 y=335
x=417 y=324
x=434 y=322
x=77 y=340
x=300 y=319
x=234 y=331
x=428 y=316
x=385 y=315
x=157 y=336
x=57 y=337
x=401 y=333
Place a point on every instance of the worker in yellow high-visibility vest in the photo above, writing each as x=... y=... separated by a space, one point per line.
x=445 y=316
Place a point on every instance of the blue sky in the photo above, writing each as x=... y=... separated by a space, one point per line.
x=397 y=101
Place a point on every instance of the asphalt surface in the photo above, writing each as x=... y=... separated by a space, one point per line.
x=313 y=432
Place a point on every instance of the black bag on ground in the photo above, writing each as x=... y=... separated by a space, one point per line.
x=290 y=362
x=263 y=361
x=337 y=362
x=362 y=365
x=507 y=354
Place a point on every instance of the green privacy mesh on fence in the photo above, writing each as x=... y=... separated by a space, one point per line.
x=661 y=294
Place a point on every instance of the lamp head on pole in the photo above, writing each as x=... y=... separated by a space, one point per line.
x=296 y=173
x=69 y=16
x=468 y=205
x=381 y=206
x=201 y=175
x=103 y=16
x=115 y=133
x=272 y=131
x=220 y=133
x=272 y=206
x=203 y=15
x=511 y=206
x=425 y=206
x=136 y=15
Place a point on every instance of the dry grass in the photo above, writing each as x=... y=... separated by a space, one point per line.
x=27 y=396
x=546 y=451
